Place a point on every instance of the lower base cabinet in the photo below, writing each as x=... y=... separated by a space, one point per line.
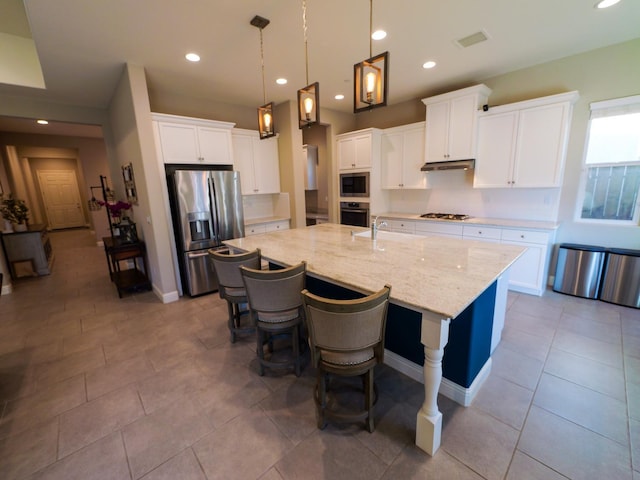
x=258 y=228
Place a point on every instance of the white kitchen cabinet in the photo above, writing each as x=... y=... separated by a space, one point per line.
x=523 y=145
x=356 y=150
x=255 y=229
x=481 y=232
x=439 y=229
x=401 y=226
x=528 y=274
x=310 y=165
x=185 y=140
x=257 y=161
x=275 y=226
x=402 y=155
x=264 y=227
x=451 y=124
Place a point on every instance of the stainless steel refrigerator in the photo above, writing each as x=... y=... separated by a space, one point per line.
x=206 y=206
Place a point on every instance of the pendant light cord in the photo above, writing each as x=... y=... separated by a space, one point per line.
x=370 y=28
x=304 y=31
x=264 y=88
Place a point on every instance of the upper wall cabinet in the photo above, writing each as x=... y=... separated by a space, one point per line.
x=356 y=150
x=451 y=124
x=402 y=155
x=523 y=145
x=257 y=161
x=193 y=140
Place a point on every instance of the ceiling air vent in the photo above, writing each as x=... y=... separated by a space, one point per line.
x=472 y=39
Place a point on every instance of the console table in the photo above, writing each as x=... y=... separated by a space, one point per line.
x=129 y=279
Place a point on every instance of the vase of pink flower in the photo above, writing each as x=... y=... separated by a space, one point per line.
x=116 y=210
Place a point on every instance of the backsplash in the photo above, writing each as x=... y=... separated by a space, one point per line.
x=266 y=206
x=453 y=192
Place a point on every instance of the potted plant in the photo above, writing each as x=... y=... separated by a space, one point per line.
x=15 y=211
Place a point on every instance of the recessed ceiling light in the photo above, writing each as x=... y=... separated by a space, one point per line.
x=192 y=57
x=339 y=97
x=42 y=122
x=429 y=64
x=378 y=34
x=606 y=3
x=281 y=81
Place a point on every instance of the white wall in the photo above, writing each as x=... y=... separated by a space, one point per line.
x=130 y=118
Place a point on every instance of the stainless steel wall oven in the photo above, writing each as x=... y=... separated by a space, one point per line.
x=354 y=213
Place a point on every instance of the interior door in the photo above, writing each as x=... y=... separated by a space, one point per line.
x=61 y=198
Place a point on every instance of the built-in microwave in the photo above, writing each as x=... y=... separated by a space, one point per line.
x=354 y=184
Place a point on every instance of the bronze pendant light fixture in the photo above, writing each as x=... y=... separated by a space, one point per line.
x=265 y=112
x=370 y=77
x=309 y=96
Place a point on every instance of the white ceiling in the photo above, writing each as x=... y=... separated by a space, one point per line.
x=83 y=45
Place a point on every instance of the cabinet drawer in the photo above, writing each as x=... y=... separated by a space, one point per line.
x=399 y=226
x=527 y=236
x=282 y=225
x=255 y=229
x=439 y=228
x=478 y=231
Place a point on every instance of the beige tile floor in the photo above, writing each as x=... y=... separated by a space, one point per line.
x=97 y=387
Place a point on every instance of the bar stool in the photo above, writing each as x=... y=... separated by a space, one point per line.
x=346 y=339
x=275 y=303
x=227 y=268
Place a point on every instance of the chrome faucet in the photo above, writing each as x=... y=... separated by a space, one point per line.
x=375 y=226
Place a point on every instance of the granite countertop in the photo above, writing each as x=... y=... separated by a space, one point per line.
x=317 y=215
x=497 y=222
x=441 y=275
x=255 y=221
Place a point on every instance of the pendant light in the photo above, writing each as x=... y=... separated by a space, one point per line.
x=309 y=96
x=265 y=112
x=370 y=77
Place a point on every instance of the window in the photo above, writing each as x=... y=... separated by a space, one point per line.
x=612 y=162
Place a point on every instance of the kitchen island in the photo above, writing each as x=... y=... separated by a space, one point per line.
x=438 y=280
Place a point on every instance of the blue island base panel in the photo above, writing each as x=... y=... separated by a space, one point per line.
x=469 y=345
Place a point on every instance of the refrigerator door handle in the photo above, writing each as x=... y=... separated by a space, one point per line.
x=191 y=255
x=215 y=217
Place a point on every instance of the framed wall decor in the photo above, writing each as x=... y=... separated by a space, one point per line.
x=130 y=184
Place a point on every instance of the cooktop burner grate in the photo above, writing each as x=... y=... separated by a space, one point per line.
x=446 y=216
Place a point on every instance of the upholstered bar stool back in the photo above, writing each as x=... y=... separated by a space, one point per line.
x=275 y=303
x=346 y=339
x=227 y=268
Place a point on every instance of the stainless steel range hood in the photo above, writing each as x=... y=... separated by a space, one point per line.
x=452 y=165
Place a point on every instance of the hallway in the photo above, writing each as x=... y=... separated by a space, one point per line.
x=97 y=387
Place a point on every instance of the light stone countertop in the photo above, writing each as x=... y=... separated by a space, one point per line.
x=256 y=221
x=442 y=275
x=496 y=222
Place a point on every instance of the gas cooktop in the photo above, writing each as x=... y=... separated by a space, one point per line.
x=446 y=216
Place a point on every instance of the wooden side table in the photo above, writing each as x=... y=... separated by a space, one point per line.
x=130 y=279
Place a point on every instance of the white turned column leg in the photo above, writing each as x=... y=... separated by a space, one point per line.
x=434 y=336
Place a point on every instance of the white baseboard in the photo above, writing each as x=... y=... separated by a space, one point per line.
x=451 y=390
x=6 y=289
x=166 y=297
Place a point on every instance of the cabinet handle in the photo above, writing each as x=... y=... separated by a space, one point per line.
x=521 y=236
